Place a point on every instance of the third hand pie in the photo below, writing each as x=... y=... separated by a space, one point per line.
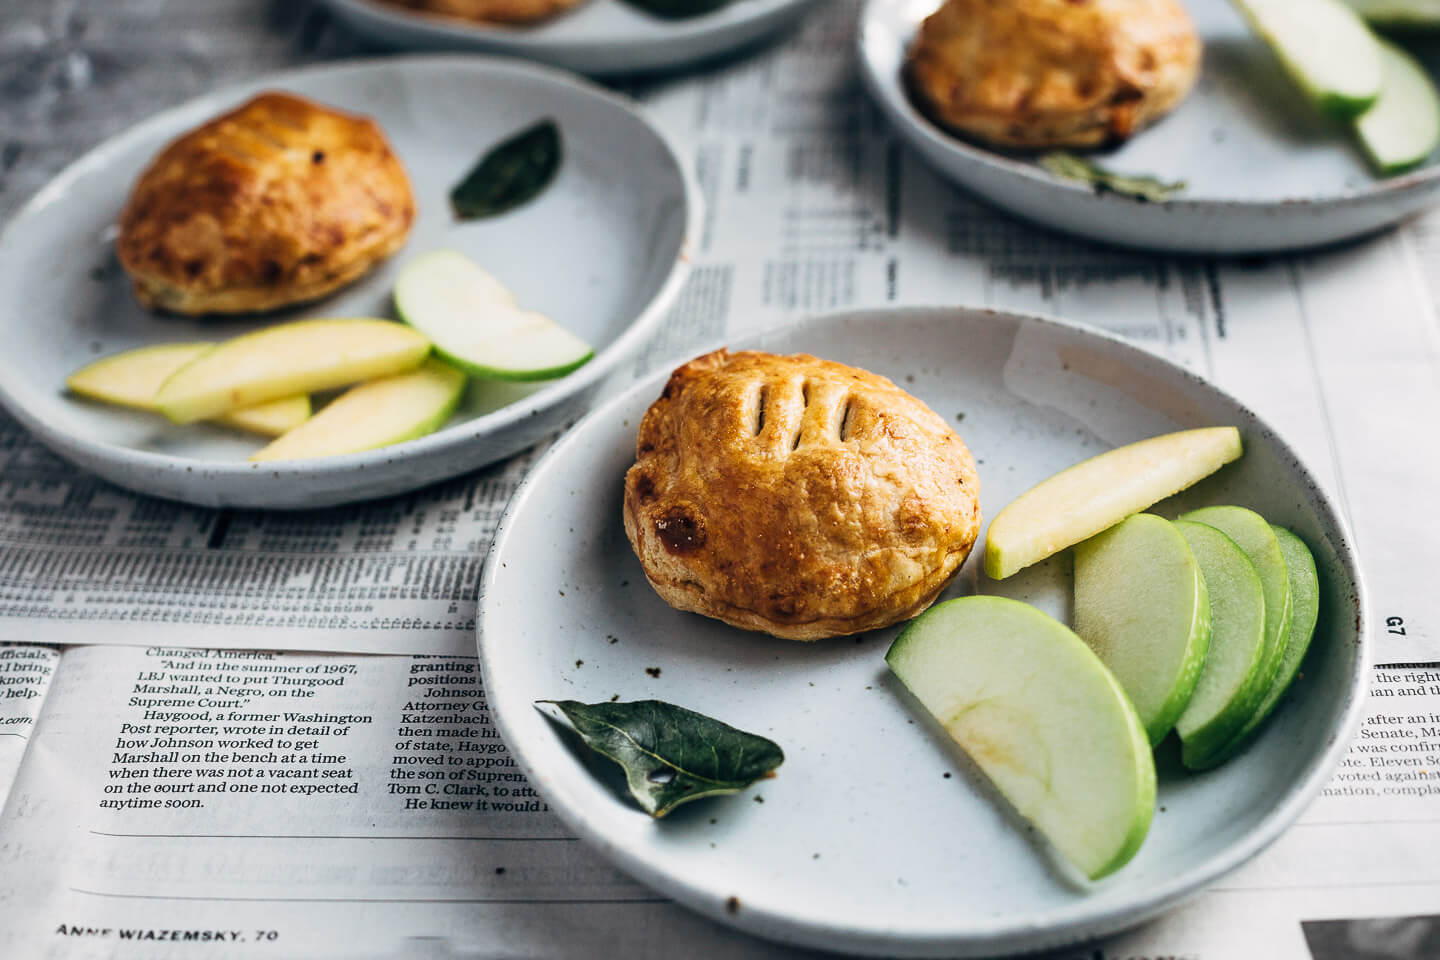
x=280 y=201
x=797 y=496
x=1052 y=73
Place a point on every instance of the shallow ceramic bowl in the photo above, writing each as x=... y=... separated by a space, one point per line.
x=1264 y=170
x=600 y=37
x=603 y=250
x=876 y=837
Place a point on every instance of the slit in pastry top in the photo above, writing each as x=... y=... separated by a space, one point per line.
x=787 y=415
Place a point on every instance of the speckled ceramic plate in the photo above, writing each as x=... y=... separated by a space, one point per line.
x=599 y=37
x=603 y=251
x=874 y=838
x=1264 y=170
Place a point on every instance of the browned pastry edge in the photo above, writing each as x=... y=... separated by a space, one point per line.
x=691 y=599
x=156 y=294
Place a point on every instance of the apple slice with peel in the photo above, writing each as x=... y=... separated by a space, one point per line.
x=1098 y=493
x=1254 y=535
x=375 y=414
x=299 y=357
x=1399 y=14
x=1401 y=128
x=1325 y=47
x=1225 y=695
x=131 y=377
x=1142 y=606
x=1304 y=611
x=476 y=324
x=1040 y=715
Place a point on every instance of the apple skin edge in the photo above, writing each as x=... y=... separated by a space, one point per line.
x=1164 y=721
x=130 y=378
x=1402 y=128
x=1139 y=829
x=1095 y=494
x=301 y=442
x=301 y=356
x=481 y=372
x=1256 y=538
x=1304 y=584
x=1229 y=684
x=1157 y=651
x=948 y=662
x=1276 y=23
x=446 y=295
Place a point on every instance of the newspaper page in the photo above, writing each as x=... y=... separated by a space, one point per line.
x=25 y=674
x=305 y=806
x=82 y=561
x=248 y=803
x=125 y=834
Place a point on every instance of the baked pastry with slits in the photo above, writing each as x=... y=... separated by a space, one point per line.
x=491 y=11
x=797 y=496
x=1052 y=73
x=278 y=202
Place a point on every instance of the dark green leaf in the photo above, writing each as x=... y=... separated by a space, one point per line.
x=677 y=9
x=510 y=174
x=1071 y=167
x=671 y=755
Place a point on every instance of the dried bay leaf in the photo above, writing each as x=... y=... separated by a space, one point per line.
x=671 y=755
x=1146 y=189
x=678 y=9
x=512 y=173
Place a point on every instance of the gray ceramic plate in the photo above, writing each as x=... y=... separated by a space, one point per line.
x=599 y=37
x=603 y=251
x=1264 y=171
x=874 y=838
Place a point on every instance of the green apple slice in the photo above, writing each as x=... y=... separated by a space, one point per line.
x=476 y=324
x=1402 y=128
x=1142 y=606
x=1254 y=535
x=1226 y=694
x=270 y=419
x=1399 y=14
x=1325 y=47
x=375 y=414
x=1040 y=715
x=1098 y=493
x=1305 y=610
x=299 y=357
x=131 y=378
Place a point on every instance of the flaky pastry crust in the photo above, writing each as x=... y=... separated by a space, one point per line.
x=278 y=202
x=491 y=11
x=1052 y=73
x=798 y=497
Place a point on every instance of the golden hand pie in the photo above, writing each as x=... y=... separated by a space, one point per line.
x=278 y=202
x=797 y=496
x=491 y=11
x=1051 y=73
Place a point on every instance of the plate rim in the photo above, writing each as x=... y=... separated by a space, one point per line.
x=1076 y=923
x=529 y=39
x=176 y=118
x=910 y=123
